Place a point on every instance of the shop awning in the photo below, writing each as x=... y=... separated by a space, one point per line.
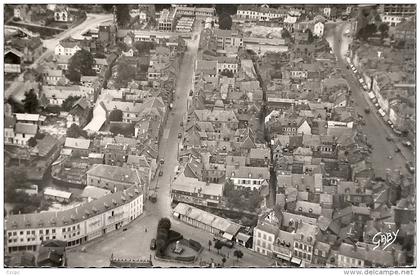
x=296 y=261
x=227 y=236
x=283 y=257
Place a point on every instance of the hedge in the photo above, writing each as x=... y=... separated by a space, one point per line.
x=174 y=236
x=185 y=258
x=194 y=245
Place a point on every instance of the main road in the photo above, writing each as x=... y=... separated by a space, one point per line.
x=18 y=87
x=384 y=156
x=135 y=241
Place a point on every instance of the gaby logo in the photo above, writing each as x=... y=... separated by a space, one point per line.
x=384 y=239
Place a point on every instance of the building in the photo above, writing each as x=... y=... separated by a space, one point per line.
x=166 y=20
x=259 y=13
x=57 y=195
x=192 y=191
x=112 y=177
x=56 y=95
x=75 y=226
x=206 y=221
x=62 y=14
x=247 y=177
x=228 y=38
x=13 y=60
x=23 y=132
x=78 y=146
x=68 y=47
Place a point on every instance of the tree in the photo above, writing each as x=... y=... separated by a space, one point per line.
x=227 y=73
x=116 y=115
x=383 y=28
x=285 y=34
x=30 y=102
x=238 y=254
x=32 y=142
x=164 y=223
x=218 y=245
x=68 y=103
x=74 y=131
x=225 y=21
x=224 y=261
x=122 y=15
x=17 y=107
x=126 y=130
x=81 y=64
x=144 y=47
x=310 y=35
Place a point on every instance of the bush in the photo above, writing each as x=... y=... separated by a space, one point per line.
x=174 y=236
x=185 y=258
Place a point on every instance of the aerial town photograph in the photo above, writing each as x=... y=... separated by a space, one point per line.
x=209 y=136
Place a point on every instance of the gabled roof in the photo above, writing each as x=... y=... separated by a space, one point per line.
x=26 y=128
x=119 y=174
x=77 y=143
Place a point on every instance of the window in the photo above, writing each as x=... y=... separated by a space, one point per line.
x=28 y=232
x=47 y=231
x=53 y=231
x=316 y=251
x=360 y=262
x=300 y=246
x=305 y=247
x=264 y=236
x=308 y=257
x=269 y=238
x=33 y=232
x=63 y=230
x=14 y=233
x=9 y=234
x=304 y=255
x=324 y=254
x=296 y=244
x=65 y=236
x=53 y=237
x=21 y=233
x=310 y=248
x=259 y=242
x=40 y=232
x=263 y=244
x=259 y=234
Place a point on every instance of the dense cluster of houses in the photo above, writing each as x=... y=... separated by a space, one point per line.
x=328 y=204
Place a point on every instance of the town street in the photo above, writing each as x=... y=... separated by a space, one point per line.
x=375 y=129
x=18 y=88
x=135 y=242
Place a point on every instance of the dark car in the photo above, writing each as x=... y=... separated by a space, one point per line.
x=367 y=110
x=389 y=138
x=153 y=244
x=397 y=150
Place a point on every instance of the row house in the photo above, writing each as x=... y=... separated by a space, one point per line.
x=193 y=191
x=244 y=177
x=74 y=226
x=259 y=13
x=112 y=177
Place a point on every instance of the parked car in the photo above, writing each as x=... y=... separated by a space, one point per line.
x=367 y=110
x=180 y=135
x=410 y=167
x=228 y=244
x=389 y=138
x=397 y=150
x=407 y=144
x=153 y=244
